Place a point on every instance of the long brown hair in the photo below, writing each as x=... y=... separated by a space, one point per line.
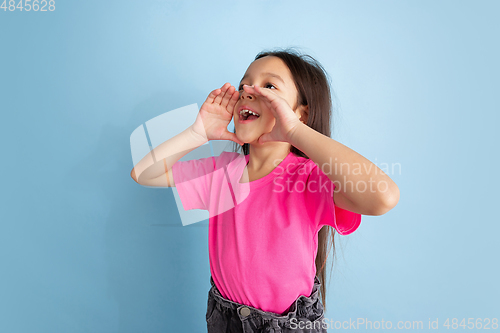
x=313 y=86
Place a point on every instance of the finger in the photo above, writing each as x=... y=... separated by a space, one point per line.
x=255 y=89
x=218 y=99
x=232 y=101
x=269 y=97
x=227 y=96
x=211 y=97
x=266 y=93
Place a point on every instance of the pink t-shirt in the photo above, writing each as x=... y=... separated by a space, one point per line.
x=262 y=234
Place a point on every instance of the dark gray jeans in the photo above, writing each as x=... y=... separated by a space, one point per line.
x=225 y=316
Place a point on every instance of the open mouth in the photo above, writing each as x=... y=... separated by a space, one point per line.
x=248 y=115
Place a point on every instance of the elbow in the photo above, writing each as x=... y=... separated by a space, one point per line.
x=388 y=201
x=134 y=177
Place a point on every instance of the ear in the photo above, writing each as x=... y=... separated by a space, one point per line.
x=303 y=113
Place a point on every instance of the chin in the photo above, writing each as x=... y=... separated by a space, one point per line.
x=245 y=139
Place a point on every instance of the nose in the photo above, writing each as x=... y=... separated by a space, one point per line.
x=245 y=95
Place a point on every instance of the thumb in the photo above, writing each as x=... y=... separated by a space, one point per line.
x=231 y=136
x=264 y=138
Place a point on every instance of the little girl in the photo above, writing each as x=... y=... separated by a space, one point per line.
x=272 y=207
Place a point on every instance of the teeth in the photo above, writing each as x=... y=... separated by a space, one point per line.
x=245 y=111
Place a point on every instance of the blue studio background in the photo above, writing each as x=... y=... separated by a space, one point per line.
x=83 y=248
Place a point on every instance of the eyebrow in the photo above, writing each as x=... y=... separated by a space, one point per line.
x=267 y=74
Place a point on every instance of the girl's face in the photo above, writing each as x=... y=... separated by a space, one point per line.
x=270 y=73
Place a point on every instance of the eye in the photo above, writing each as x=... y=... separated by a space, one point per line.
x=267 y=85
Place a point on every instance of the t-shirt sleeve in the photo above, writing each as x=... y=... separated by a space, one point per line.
x=320 y=192
x=193 y=180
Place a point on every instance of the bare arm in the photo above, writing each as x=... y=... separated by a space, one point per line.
x=379 y=193
x=155 y=169
x=383 y=193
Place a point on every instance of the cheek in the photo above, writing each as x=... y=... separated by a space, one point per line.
x=269 y=121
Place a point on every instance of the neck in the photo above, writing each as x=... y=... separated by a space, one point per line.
x=267 y=156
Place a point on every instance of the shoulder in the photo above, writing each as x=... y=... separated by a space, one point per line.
x=315 y=179
x=302 y=166
x=209 y=162
x=229 y=155
x=226 y=157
